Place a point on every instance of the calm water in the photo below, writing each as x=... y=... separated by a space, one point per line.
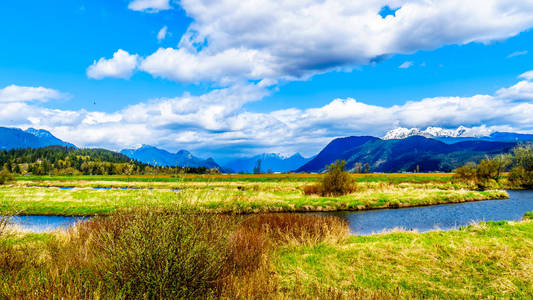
x=45 y=223
x=446 y=216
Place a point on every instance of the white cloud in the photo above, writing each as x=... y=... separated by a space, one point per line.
x=527 y=75
x=121 y=65
x=517 y=53
x=15 y=93
x=232 y=40
x=182 y=65
x=406 y=65
x=217 y=121
x=151 y=6
x=162 y=34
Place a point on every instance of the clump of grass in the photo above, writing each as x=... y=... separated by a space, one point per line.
x=285 y=228
x=256 y=240
x=4 y=223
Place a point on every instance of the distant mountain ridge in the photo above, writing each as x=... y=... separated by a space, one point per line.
x=269 y=162
x=434 y=132
x=404 y=155
x=159 y=157
x=402 y=150
x=460 y=134
x=15 y=138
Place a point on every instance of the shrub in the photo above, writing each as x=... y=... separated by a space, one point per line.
x=162 y=255
x=5 y=177
x=466 y=173
x=147 y=255
x=337 y=181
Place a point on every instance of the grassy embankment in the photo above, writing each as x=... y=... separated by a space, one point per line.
x=228 y=193
x=488 y=260
x=264 y=256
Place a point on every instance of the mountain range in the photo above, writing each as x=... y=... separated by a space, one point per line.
x=269 y=162
x=460 y=134
x=402 y=149
x=159 y=157
x=15 y=138
x=404 y=155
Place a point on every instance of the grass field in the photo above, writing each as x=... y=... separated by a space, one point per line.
x=374 y=177
x=488 y=260
x=137 y=250
x=278 y=257
x=226 y=193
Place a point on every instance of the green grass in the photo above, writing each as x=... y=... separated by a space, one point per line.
x=273 y=256
x=489 y=260
x=226 y=198
x=377 y=177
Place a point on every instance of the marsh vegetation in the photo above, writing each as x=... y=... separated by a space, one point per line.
x=174 y=254
x=223 y=236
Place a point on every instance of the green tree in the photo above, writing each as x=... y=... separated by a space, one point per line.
x=487 y=172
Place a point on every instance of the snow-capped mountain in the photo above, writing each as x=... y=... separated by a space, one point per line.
x=435 y=132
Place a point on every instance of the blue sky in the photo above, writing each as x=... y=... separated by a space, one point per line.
x=238 y=78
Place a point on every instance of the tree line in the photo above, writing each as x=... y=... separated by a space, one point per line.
x=488 y=173
x=58 y=160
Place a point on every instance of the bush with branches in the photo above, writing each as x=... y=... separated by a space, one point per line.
x=336 y=182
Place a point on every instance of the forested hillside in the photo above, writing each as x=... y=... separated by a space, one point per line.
x=58 y=160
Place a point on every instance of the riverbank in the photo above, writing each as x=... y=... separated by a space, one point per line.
x=486 y=260
x=235 y=197
x=277 y=256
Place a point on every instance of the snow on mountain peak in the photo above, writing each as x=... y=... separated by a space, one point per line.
x=430 y=132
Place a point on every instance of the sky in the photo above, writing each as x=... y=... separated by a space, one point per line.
x=241 y=77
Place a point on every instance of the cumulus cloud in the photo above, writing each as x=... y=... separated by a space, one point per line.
x=121 y=65
x=257 y=39
x=151 y=6
x=527 y=75
x=217 y=122
x=183 y=65
x=15 y=93
x=162 y=34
